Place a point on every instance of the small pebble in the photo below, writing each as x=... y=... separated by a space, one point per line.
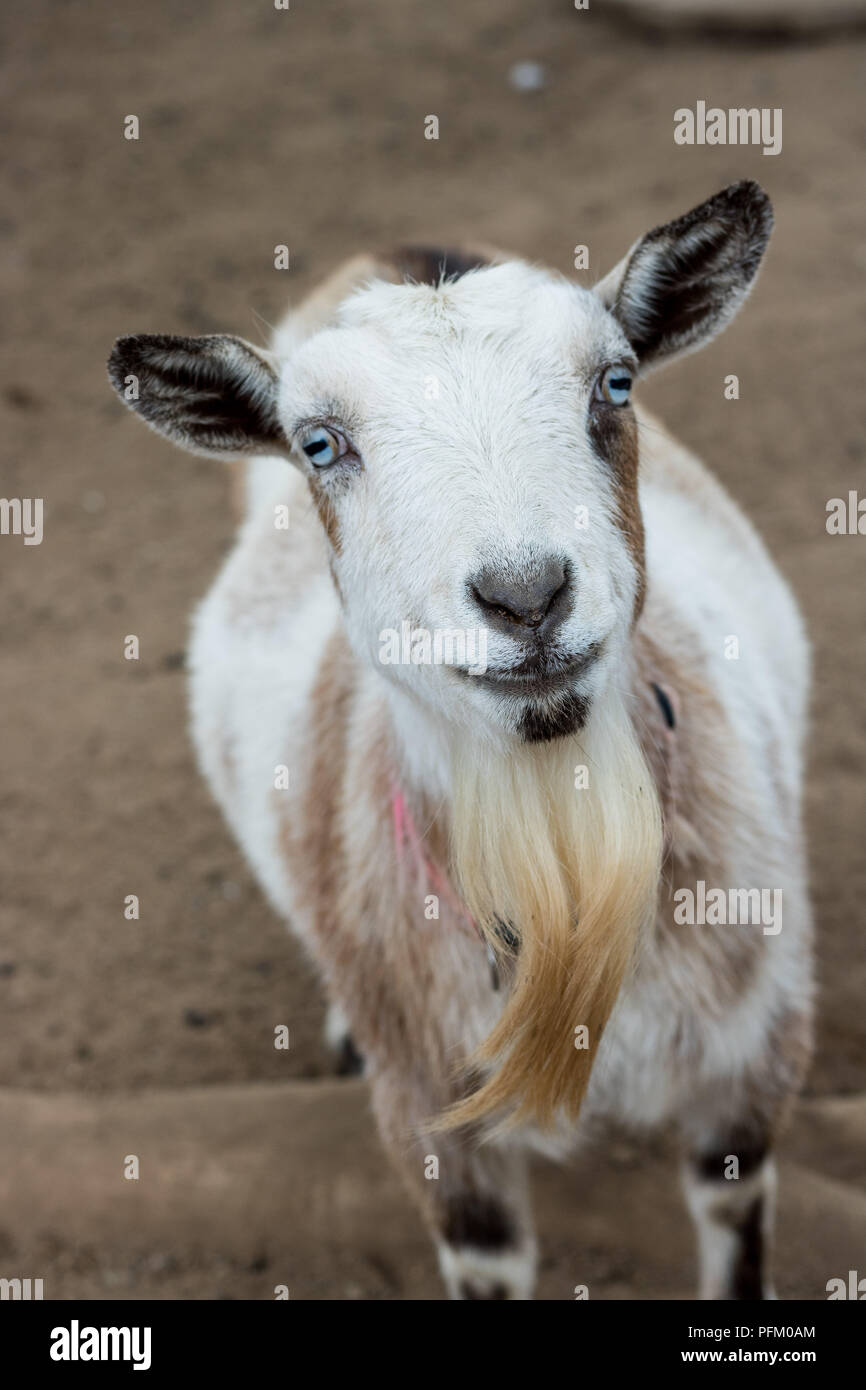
x=528 y=77
x=194 y=1018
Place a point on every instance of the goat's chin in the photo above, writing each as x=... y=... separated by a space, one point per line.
x=503 y=720
x=557 y=718
x=560 y=838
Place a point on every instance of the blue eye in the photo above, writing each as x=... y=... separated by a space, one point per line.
x=322 y=446
x=614 y=385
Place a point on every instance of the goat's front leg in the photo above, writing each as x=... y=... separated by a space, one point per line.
x=473 y=1197
x=730 y=1183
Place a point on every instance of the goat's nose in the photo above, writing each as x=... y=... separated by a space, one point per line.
x=537 y=599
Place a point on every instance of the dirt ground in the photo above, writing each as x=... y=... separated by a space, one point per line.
x=261 y=127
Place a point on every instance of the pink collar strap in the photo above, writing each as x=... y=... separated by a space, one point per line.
x=409 y=845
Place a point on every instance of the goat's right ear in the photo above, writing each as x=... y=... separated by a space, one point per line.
x=214 y=395
x=682 y=283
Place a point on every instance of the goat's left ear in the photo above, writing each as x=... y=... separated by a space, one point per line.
x=214 y=395
x=682 y=283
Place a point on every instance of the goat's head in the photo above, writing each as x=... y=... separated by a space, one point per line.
x=473 y=455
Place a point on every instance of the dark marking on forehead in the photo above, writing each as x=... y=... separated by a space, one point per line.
x=427 y=265
x=613 y=431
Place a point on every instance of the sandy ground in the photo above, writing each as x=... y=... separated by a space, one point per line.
x=219 y=1164
x=261 y=127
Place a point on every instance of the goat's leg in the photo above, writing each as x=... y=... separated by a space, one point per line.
x=729 y=1180
x=730 y=1176
x=339 y=1041
x=473 y=1198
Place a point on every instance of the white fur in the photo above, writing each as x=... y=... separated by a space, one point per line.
x=483 y=1270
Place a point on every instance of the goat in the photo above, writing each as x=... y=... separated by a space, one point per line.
x=484 y=863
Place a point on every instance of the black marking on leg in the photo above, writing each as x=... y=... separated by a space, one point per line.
x=747 y=1282
x=482 y=1222
x=349 y=1059
x=749 y=1149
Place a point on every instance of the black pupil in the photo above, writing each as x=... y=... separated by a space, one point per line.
x=620 y=383
x=316 y=447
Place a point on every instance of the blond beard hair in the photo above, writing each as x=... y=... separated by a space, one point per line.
x=575 y=872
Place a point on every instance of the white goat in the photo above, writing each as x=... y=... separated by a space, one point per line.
x=491 y=860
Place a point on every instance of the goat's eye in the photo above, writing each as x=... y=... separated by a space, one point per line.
x=323 y=446
x=614 y=385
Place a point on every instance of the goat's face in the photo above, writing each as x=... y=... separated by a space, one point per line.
x=474 y=460
x=472 y=452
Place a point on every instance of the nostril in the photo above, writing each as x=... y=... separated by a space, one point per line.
x=523 y=600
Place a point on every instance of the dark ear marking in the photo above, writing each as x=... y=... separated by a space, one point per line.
x=683 y=282
x=214 y=395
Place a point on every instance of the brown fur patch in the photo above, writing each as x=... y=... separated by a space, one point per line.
x=324 y=505
x=340 y=849
x=613 y=432
x=320 y=841
x=699 y=786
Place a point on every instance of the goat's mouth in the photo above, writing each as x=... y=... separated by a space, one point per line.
x=538 y=675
